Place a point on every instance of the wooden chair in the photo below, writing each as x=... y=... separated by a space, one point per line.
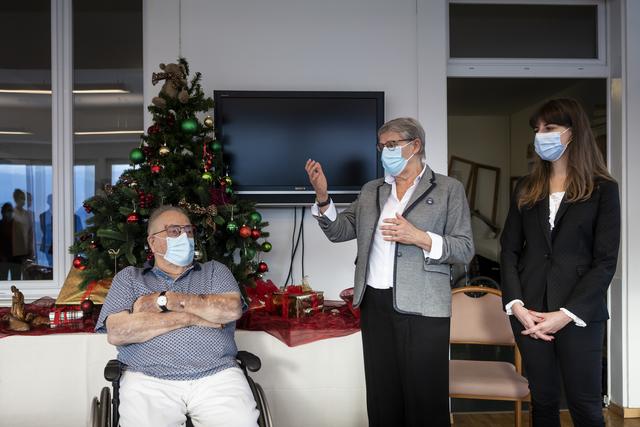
x=477 y=318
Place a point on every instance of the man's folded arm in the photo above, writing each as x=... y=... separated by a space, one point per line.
x=128 y=328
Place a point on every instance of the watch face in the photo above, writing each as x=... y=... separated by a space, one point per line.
x=162 y=300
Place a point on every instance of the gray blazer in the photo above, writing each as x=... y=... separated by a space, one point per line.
x=421 y=286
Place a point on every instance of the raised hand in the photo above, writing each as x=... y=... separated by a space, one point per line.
x=317 y=179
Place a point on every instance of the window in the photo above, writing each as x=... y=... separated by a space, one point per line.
x=41 y=88
x=527 y=38
x=26 y=248
x=110 y=121
x=523 y=31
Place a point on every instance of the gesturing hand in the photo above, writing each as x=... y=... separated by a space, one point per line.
x=550 y=324
x=317 y=179
x=400 y=230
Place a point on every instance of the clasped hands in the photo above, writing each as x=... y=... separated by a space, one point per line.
x=540 y=325
x=149 y=304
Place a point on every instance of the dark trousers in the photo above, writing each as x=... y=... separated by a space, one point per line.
x=406 y=364
x=575 y=355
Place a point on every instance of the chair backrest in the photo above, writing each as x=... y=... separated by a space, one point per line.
x=479 y=319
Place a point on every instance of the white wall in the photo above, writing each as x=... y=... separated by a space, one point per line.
x=354 y=45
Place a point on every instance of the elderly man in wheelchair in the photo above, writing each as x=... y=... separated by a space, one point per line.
x=173 y=323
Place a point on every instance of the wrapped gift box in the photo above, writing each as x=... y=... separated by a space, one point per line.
x=72 y=294
x=293 y=304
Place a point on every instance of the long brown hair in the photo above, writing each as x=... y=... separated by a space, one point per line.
x=585 y=163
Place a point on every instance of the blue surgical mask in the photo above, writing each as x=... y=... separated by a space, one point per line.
x=392 y=160
x=549 y=146
x=179 y=250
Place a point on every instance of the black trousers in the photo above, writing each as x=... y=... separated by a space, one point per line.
x=406 y=364
x=575 y=355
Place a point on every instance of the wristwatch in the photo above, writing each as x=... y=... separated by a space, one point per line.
x=323 y=204
x=162 y=301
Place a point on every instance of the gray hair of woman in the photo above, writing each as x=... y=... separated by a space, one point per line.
x=408 y=127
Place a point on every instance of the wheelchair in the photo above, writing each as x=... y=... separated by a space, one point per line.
x=104 y=409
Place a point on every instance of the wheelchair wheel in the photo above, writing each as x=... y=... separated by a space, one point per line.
x=101 y=409
x=264 y=420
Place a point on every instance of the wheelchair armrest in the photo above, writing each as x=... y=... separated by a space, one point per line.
x=113 y=370
x=248 y=360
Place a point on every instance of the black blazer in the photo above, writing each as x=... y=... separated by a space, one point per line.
x=572 y=265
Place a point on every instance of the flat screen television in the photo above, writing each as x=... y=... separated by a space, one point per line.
x=268 y=136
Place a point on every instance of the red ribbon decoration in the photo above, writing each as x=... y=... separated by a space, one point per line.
x=89 y=290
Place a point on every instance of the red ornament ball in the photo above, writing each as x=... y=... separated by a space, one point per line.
x=87 y=208
x=87 y=307
x=263 y=267
x=78 y=262
x=244 y=231
x=255 y=234
x=133 y=218
x=156 y=168
x=153 y=129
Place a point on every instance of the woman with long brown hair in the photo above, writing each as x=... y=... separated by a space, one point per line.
x=559 y=253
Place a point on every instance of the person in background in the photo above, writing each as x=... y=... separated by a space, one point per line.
x=46 y=227
x=23 y=237
x=7 y=264
x=410 y=226
x=173 y=323
x=559 y=253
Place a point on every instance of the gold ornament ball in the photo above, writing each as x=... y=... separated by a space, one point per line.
x=208 y=121
x=164 y=150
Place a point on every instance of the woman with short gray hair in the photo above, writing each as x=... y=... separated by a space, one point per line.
x=410 y=227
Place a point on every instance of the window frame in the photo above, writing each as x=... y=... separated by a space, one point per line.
x=61 y=158
x=534 y=67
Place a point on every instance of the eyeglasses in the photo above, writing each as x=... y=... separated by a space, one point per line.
x=393 y=144
x=174 y=230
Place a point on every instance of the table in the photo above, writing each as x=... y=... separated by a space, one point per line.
x=51 y=379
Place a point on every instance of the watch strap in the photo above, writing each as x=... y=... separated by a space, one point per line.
x=163 y=307
x=323 y=204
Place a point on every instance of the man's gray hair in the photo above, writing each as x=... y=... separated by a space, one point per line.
x=157 y=212
x=408 y=127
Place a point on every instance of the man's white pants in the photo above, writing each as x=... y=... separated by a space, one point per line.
x=222 y=399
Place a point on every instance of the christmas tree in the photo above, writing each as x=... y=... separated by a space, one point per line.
x=179 y=162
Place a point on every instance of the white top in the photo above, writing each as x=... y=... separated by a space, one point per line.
x=382 y=255
x=554 y=204
x=555 y=199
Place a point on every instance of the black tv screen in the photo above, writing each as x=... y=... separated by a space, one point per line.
x=268 y=136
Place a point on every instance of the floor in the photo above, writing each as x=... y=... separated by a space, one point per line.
x=506 y=419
